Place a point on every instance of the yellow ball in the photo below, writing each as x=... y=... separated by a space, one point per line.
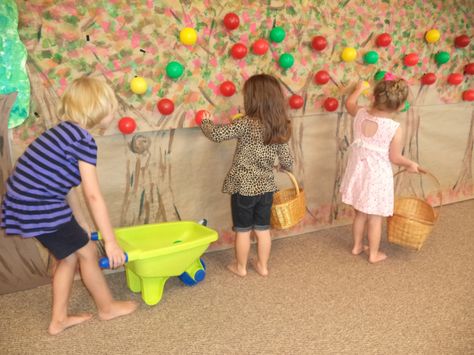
x=349 y=54
x=188 y=36
x=138 y=85
x=432 y=36
x=237 y=116
x=366 y=85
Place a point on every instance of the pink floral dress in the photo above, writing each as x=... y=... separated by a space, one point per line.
x=367 y=184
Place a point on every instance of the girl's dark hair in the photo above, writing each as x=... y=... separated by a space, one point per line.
x=264 y=101
x=389 y=95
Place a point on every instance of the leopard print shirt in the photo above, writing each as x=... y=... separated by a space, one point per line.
x=251 y=172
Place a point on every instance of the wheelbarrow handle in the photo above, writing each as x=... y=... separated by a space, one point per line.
x=104 y=262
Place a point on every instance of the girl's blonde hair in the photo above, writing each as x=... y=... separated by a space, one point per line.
x=87 y=101
x=389 y=95
x=264 y=101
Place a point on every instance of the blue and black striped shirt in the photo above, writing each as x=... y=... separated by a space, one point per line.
x=35 y=201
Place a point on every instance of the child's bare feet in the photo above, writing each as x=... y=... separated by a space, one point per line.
x=56 y=327
x=379 y=257
x=359 y=249
x=263 y=271
x=234 y=268
x=118 y=309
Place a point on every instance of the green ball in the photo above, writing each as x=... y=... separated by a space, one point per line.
x=174 y=70
x=442 y=57
x=380 y=75
x=407 y=106
x=286 y=60
x=277 y=34
x=371 y=57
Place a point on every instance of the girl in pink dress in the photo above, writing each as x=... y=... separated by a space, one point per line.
x=368 y=180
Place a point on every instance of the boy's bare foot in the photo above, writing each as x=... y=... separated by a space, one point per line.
x=56 y=327
x=236 y=270
x=263 y=271
x=379 y=257
x=118 y=309
x=358 y=250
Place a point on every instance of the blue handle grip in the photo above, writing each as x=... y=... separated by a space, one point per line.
x=104 y=262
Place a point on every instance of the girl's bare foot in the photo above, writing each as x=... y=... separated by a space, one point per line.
x=359 y=249
x=56 y=327
x=236 y=270
x=118 y=309
x=379 y=257
x=263 y=271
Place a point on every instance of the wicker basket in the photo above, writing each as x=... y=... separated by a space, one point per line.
x=289 y=206
x=413 y=219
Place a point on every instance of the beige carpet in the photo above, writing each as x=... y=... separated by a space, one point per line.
x=318 y=300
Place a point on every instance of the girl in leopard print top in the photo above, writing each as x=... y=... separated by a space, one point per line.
x=262 y=136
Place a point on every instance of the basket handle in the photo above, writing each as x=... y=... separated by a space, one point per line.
x=293 y=180
x=426 y=172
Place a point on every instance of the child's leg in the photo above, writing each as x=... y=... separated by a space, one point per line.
x=62 y=285
x=264 y=246
x=375 y=234
x=242 y=247
x=95 y=282
x=358 y=229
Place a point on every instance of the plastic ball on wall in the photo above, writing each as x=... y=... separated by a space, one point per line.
x=366 y=86
x=321 y=77
x=371 y=57
x=432 y=36
x=383 y=40
x=319 y=43
x=127 y=125
x=442 y=57
x=428 y=79
x=349 y=54
x=231 y=21
x=286 y=60
x=468 y=95
x=227 y=88
x=296 y=101
x=411 y=59
x=379 y=75
x=461 y=41
x=174 y=70
x=199 y=116
x=406 y=107
x=165 y=106
x=188 y=36
x=277 y=34
x=469 y=69
x=455 y=78
x=260 y=46
x=138 y=85
x=331 y=104
x=238 y=51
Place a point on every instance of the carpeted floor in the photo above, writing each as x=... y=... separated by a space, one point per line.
x=318 y=300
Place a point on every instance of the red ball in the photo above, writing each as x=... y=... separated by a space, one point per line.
x=469 y=69
x=231 y=21
x=199 y=116
x=127 y=125
x=462 y=41
x=296 y=101
x=165 y=106
x=455 y=78
x=383 y=40
x=411 y=59
x=428 y=79
x=321 y=77
x=331 y=104
x=227 y=88
x=319 y=43
x=260 y=46
x=238 y=51
x=468 y=95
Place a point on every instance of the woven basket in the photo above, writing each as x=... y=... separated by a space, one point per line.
x=289 y=206
x=413 y=219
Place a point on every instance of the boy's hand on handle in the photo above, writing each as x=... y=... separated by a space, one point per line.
x=115 y=254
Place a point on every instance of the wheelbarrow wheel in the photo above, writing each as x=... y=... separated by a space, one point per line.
x=199 y=275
